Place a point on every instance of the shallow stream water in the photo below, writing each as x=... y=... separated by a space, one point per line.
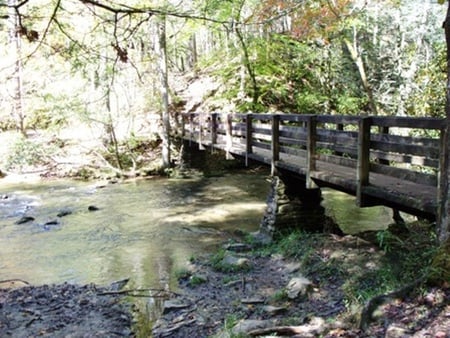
x=142 y=230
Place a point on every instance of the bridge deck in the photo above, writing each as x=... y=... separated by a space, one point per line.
x=417 y=199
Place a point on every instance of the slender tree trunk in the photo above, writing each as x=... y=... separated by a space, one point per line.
x=15 y=43
x=357 y=59
x=249 y=67
x=161 y=52
x=443 y=200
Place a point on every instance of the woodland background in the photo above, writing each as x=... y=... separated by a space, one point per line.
x=122 y=73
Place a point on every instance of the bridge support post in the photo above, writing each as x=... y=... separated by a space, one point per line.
x=311 y=127
x=275 y=143
x=363 y=165
x=248 y=136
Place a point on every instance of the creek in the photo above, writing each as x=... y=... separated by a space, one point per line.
x=142 y=230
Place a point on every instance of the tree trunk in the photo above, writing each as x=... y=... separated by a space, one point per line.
x=161 y=52
x=249 y=67
x=357 y=59
x=443 y=200
x=14 y=40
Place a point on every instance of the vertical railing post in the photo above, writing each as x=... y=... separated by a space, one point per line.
x=339 y=128
x=191 y=129
x=200 y=132
x=275 y=143
x=442 y=212
x=248 y=136
x=311 y=130
x=384 y=130
x=363 y=166
x=183 y=126
x=229 y=136
x=213 y=131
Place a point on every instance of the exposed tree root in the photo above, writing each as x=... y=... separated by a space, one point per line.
x=370 y=307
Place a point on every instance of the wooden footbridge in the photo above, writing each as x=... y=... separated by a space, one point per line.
x=399 y=162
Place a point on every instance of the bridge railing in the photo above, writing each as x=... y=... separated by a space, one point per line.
x=410 y=149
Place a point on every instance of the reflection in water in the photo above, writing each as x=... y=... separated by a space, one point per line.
x=351 y=219
x=141 y=230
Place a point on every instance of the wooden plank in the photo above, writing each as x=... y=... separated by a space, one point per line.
x=292 y=142
x=311 y=152
x=294 y=117
x=263 y=117
x=363 y=166
x=265 y=137
x=293 y=131
x=298 y=152
x=405 y=159
x=248 y=137
x=339 y=119
x=404 y=174
x=408 y=122
x=342 y=161
x=442 y=196
x=429 y=152
x=213 y=130
x=191 y=129
x=261 y=145
x=229 y=137
x=412 y=140
x=347 y=138
x=275 y=142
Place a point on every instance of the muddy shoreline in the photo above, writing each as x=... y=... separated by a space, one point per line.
x=250 y=301
x=63 y=310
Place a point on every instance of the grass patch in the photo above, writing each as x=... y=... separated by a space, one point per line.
x=400 y=259
x=279 y=296
x=407 y=257
x=182 y=274
x=222 y=261
x=196 y=280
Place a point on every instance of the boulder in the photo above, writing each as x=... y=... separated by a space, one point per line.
x=298 y=287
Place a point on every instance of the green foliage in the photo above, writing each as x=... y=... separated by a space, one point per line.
x=53 y=111
x=292 y=76
x=428 y=94
x=387 y=240
x=25 y=152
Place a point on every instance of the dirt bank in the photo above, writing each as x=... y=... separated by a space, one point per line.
x=257 y=301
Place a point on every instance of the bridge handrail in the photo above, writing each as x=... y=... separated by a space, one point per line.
x=363 y=143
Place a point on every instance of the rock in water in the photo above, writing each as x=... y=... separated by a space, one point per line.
x=25 y=219
x=64 y=212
